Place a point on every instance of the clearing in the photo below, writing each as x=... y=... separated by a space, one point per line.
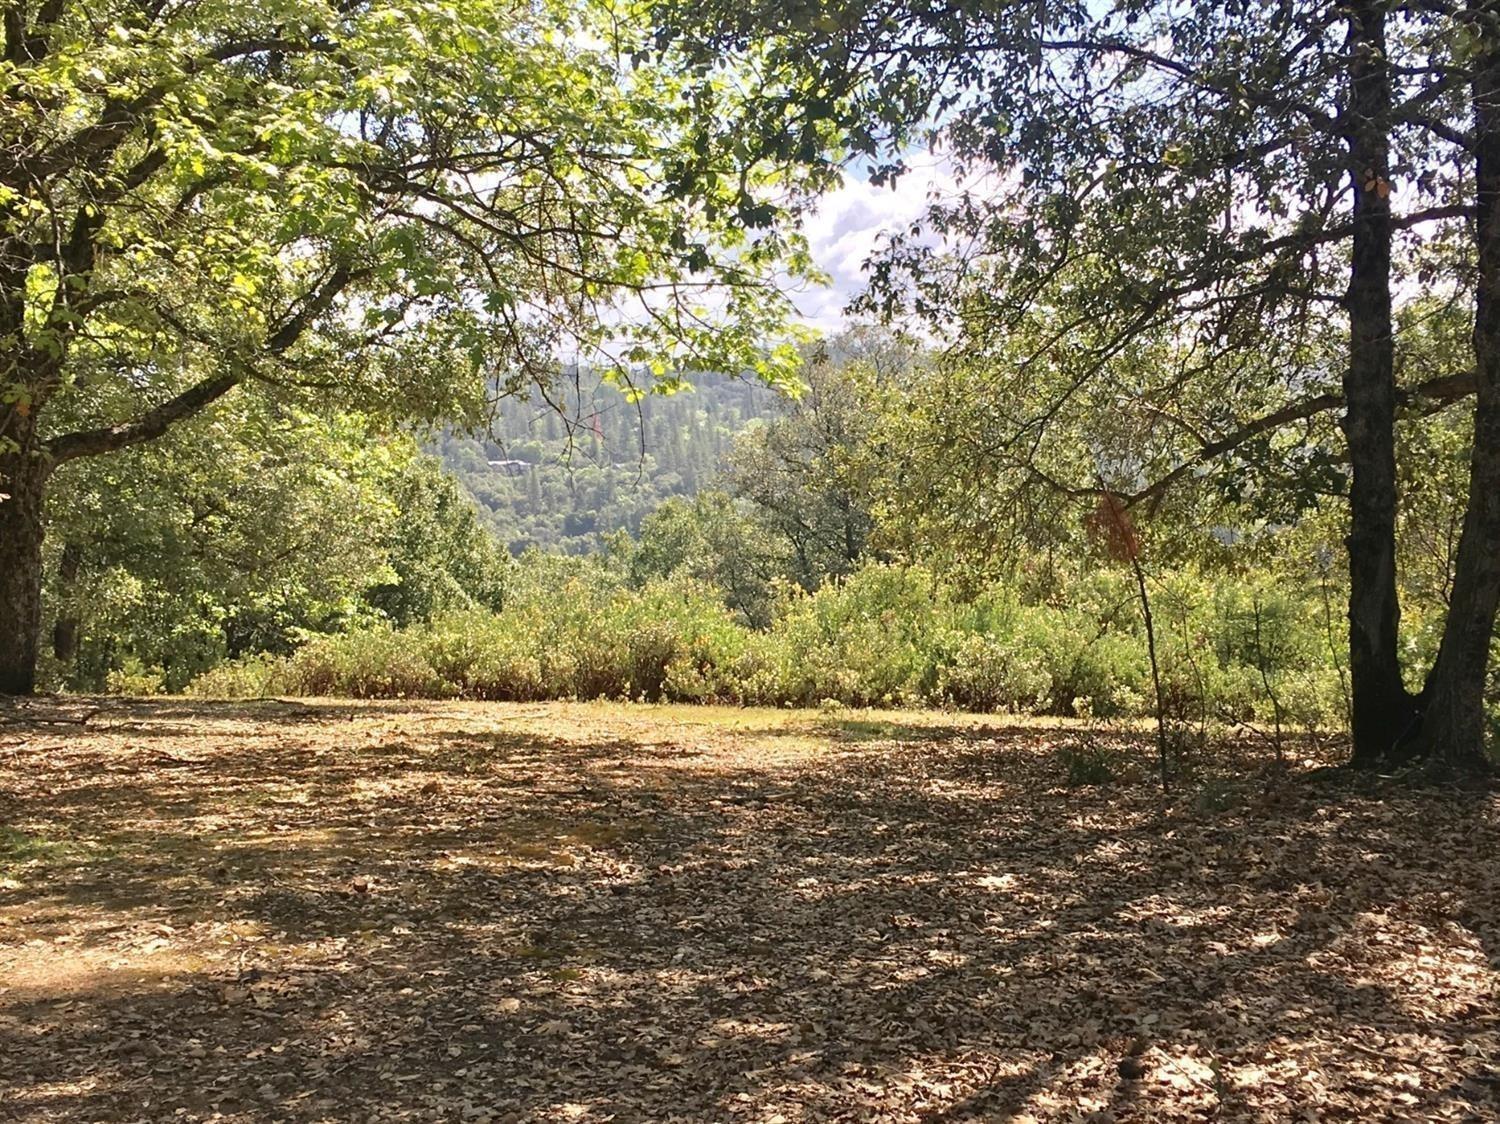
x=335 y=911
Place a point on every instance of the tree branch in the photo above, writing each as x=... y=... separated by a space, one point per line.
x=157 y=420
x=1434 y=393
x=149 y=426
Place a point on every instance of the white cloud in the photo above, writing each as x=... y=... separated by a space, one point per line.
x=848 y=225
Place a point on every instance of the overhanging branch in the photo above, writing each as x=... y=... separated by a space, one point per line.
x=157 y=420
x=1428 y=396
x=149 y=426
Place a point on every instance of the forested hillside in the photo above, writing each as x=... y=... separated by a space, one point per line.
x=562 y=472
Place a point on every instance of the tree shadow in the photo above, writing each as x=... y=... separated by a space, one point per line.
x=308 y=923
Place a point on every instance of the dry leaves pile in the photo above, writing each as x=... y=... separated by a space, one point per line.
x=351 y=912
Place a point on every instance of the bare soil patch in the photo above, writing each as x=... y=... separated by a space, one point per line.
x=356 y=911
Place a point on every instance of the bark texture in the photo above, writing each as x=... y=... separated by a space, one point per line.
x=1453 y=724
x=1382 y=709
x=22 y=479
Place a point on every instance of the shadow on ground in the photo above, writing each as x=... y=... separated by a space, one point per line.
x=348 y=912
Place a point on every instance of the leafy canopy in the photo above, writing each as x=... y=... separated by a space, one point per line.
x=399 y=204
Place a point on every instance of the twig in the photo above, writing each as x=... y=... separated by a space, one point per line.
x=46 y=720
x=1371 y=1052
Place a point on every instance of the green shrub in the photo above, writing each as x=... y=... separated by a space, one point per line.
x=376 y=663
x=482 y=655
x=134 y=678
x=253 y=677
x=886 y=635
x=1085 y=659
x=876 y=638
x=995 y=673
x=1087 y=764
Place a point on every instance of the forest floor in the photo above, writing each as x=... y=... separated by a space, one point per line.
x=337 y=912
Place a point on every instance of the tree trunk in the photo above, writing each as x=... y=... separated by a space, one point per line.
x=1453 y=723
x=1381 y=708
x=23 y=476
x=65 y=631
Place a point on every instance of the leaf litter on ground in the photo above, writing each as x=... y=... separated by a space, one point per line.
x=451 y=911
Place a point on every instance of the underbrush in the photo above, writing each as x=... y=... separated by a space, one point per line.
x=885 y=636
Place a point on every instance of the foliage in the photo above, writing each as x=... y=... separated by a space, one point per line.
x=583 y=637
x=569 y=466
x=245 y=531
x=717 y=541
x=439 y=555
x=418 y=193
x=249 y=677
x=865 y=641
x=885 y=636
x=399 y=209
x=1184 y=237
x=1088 y=763
x=799 y=472
x=375 y=662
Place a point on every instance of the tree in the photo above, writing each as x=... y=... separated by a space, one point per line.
x=391 y=205
x=1225 y=181
x=1453 y=726
x=711 y=539
x=439 y=555
x=798 y=470
x=238 y=531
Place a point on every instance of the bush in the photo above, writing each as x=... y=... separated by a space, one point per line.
x=1082 y=660
x=482 y=655
x=876 y=638
x=253 y=677
x=1087 y=764
x=134 y=678
x=377 y=663
x=885 y=636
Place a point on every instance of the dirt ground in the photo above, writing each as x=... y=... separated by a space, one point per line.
x=468 y=912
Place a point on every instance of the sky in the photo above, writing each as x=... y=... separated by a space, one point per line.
x=847 y=228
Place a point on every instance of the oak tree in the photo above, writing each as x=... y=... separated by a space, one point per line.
x=402 y=206
x=1225 y=184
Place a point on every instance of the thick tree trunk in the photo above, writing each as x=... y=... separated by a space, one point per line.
x=1453 y=723
x=1382 y=708
x=25 y=464
x=22 y=479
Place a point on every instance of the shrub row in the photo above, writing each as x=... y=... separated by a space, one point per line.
x=888 y=635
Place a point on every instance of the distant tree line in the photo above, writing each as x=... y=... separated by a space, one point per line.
x=592 y=462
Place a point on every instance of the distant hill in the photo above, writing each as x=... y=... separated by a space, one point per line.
x=561 y=476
